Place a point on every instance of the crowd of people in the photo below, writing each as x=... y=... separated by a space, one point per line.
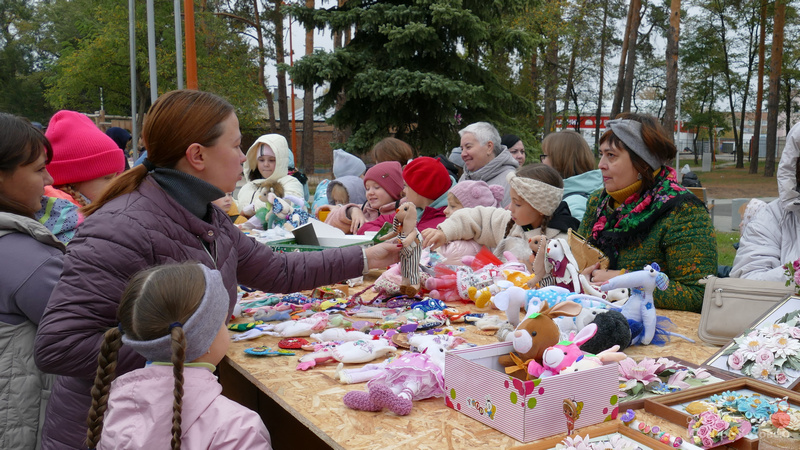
x=130 y=274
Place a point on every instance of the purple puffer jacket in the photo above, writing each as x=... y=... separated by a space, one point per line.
x=130 y=233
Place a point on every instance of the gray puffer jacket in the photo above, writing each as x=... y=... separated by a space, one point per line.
x=494 y=172
x=772 y=238
x=33 y=260
x=130 y=233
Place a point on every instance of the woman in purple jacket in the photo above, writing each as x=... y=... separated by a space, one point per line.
x=160 y=212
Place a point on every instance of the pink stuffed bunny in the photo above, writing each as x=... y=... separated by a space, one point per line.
x=562 y=355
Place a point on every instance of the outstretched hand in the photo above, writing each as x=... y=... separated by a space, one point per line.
x=382 y=255
x=433 y=238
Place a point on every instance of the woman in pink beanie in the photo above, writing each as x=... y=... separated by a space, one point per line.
x=427 y=183
x=85 y=159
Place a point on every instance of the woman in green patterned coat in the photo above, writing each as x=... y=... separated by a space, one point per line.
x=643 y=215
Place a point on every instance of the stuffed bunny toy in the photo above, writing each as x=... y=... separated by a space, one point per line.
x=562 y=355
x=404 y=227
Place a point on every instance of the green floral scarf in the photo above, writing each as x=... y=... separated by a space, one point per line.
x=618 y=228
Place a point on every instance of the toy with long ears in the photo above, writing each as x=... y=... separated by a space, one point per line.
x=537 y=332
x=640 y=307
x=561 y=355
x=538 y=259
x=404 y=227
x=591 y=361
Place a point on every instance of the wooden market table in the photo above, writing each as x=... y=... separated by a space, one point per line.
x=304 y=410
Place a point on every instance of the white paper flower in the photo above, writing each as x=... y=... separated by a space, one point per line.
x=751 y=346
x=762 y=371
x=783 y=346
x=775 y=329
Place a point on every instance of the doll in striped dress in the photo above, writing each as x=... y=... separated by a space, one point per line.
x=404 y=227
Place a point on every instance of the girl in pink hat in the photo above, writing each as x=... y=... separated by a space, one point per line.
x=384 y=185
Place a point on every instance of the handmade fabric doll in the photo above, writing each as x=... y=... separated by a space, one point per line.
x=410 y=377
x=404 y=227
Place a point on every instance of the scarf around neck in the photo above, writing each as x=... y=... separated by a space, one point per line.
x=627 y=224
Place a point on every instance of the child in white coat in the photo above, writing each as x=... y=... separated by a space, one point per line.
x=267 y=161
x=170 y=314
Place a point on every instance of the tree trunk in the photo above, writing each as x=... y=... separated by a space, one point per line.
x=774 y=86
x=307 y=148
x=756 y=139
x=339 y=135
x=620 y=87
x=280 y=58
x=751 y=55
x=261 y=66
x=568 y=90
x=535 y=88
x=551 y=85
x=723 y=35
x=672 y=68
x=598 y=116
x=630 y=64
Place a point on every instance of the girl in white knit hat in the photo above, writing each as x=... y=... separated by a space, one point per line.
x=536 y=208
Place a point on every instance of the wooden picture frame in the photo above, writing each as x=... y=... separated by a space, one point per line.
x=639 y=402
x=719 y=361
x=663 y=406
x=599 y=430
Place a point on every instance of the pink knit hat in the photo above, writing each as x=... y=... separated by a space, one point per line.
x=389 y=176
x=81 y=152
x=477 y=193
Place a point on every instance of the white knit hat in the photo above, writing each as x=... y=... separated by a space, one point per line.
x=541 y=196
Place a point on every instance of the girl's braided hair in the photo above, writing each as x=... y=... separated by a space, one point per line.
x=154 y=300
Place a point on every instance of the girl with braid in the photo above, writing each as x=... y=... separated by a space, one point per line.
x=174 y=316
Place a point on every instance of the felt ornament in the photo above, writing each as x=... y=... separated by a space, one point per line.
x=351 y=352
x=640 y=310
x=404 y=227
x=410 y=377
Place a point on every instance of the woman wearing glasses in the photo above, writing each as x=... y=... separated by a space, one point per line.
x=568 y=153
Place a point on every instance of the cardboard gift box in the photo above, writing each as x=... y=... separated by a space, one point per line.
x=477 y=385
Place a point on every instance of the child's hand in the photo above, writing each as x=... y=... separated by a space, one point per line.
x=433 y=238
x=358 y=219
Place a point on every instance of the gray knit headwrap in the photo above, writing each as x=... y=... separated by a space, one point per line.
x=201 y=329
x=542 y=196
x=630 y=132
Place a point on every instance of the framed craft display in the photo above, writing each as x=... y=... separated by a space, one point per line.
x=747 y=396
x=769 y=350
x=614 y=434
x=659 y=376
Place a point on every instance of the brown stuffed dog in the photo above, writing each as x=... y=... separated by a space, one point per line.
x=537 y=332
x=404 y=227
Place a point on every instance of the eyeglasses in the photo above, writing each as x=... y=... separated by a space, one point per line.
x=542 y=157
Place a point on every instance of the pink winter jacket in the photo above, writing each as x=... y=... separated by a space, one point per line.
x=139 y=414
x=338 y=215
x=431 y=217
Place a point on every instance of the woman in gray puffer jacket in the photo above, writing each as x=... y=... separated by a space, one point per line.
x=156 y=213
x=32 y=260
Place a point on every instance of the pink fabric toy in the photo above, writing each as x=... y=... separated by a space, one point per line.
x=562 y=355
x=410 y=377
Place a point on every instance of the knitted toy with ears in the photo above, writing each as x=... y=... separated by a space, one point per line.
x=404 y=227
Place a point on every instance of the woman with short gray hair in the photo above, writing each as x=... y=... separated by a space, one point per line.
x=485 y=158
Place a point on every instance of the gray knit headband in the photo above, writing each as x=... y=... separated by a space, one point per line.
x=201 y=329
x=541 y=196
x=630 y=132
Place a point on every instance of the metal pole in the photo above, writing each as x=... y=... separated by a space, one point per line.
x=132 y=49
x=191 y=50
x=178 y=42
x=151 y=51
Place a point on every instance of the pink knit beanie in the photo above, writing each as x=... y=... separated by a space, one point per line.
x=389 y=176
x=477 y=193
x=81 y=152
